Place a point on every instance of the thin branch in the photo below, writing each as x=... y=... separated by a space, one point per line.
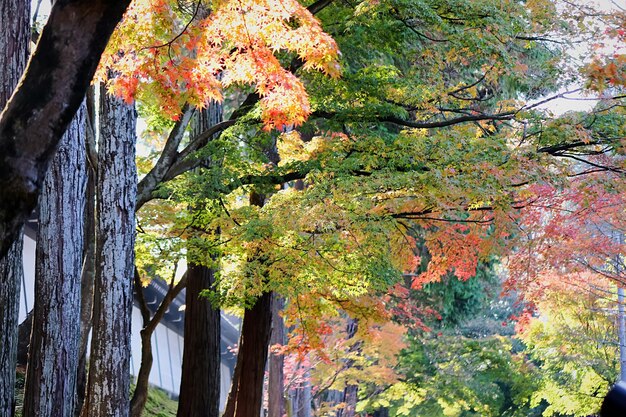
x=143 y=306
x=165 y=303
x=183 y=162
x=318 y=6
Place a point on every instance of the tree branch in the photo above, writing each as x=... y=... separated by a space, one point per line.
x=318 y=6
x=169 y=155
x=183 y=161
x=49 y=94
x=165 y=303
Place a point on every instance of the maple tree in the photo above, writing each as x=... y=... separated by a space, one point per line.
x=436 y=166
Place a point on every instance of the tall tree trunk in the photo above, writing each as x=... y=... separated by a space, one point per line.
x=108 y=384
x=276 y=386
x=10 y=273
x=301 y=397
x=53 y=353
x=621 y=322
x=246 y=395
x=89 y=270
x=14 y=41
x=200 y=379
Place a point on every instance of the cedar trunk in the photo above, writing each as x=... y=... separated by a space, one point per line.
x=87 y=280
x=246 y=395
x=53 y=352
x=200 y=379
x=245 y=398
x=14 y=39
x=10 y=273
x=108 y=384
x=23 y=338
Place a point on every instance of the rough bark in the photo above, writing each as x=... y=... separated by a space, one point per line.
x=53 y=86
x=23 y=338
x=276 y=388
x=53 y=353
x=108 y=384
x=14 y=38
x=246 y=396
x=89 y=265
x=10 y=273
x=200 y=378
x=140 y=395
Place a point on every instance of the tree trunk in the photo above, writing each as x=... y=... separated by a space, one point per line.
x=140 y=395
x=350 y=400
x=14 y=41
x=87 y=279
x=246 y=396
x=108 y=384
x=350 y=391
x=301 y=397
x=53 y=87
x=200 y=379
x=621 y=322
x=276 y=388
x=246 y=393
x=53 y=353
x=381 y=412
x=23 y=338
x=10 y=273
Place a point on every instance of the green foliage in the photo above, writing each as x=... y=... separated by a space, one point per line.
x=573 y=346
x=458 y=301
x=449 y=375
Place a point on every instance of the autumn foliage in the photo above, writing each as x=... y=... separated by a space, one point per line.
x=164 y=53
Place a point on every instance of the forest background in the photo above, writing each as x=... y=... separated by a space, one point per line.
x=376 y=187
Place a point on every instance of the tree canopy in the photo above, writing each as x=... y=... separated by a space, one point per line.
x=388 y=169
